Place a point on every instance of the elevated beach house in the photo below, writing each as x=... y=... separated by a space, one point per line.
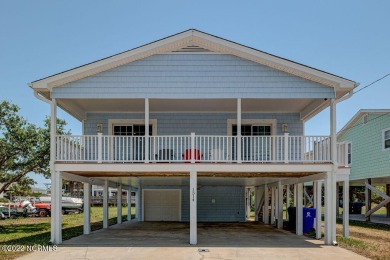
x=367 y=138
x=195 y=124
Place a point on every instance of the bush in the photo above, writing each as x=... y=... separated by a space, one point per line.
x=4 y=200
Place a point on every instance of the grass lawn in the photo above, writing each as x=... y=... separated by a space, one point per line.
x=36 y=231
x=370 y=240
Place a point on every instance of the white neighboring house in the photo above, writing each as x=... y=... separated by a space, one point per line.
x=194 y=123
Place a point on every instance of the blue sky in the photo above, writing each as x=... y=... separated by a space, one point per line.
x=346 y=38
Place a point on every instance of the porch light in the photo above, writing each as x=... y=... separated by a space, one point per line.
x=285 y=128
x=99 y=128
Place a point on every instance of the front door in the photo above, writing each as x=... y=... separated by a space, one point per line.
x=255 y=145
x=129 y=142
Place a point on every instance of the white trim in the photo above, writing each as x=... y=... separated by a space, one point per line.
x=271 y=122
x=143 y=200
x=208 y=41
x=112 y=122
x=383 y=139
x=187 y=167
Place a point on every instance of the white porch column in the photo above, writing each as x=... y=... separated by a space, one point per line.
x=129 y=204
x=272 y=205
x=239 y=130
x=330 y=209
x=280 y=205
x=119 y=204
x=346 y=208
x=317 y=185
x=138 y=204
x=295 y=195
x=87 y=208
x=56 y=180
x=193 y=208
x=266 y=205
x=299 y=208
x=56 y=210
x=105 y=204
x=146 y=130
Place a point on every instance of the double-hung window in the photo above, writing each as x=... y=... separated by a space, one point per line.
x=386 y=139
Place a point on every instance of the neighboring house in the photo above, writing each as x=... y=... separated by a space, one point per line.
x=194 y=123
x=367 y=136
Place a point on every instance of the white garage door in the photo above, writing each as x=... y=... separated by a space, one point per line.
x=162 y=205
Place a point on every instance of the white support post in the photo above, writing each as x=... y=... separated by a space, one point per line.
x=87 y=208
x=330 y=210
x=56 y=180
x=280 y=205
x=288 y=195
x=193 y=208
x=100 y=148
x=318 y=205
x=119 y=204
x=105 y=204
x=192 y=147
x=295 y=195
x=138 y=204
x=129 y=204
x=56 y=214
x=266 y=205
x=299 y=208
x=272 y=206
x=346 y=208
x=146 y=130
x=286 y=148
x=239 y=130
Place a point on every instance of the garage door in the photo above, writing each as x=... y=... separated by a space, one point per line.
x=162 y=205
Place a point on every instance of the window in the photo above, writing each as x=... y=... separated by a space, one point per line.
x=386 y=139
x=365 y=119
x=349 y=153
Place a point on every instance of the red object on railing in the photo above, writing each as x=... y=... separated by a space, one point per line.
x=188 y=155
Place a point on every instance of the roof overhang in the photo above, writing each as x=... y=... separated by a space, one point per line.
x=212 y=43
x=358 y=116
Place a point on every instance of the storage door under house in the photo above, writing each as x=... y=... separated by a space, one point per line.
x=128 y=142
x=161 y=205
x=255 y=142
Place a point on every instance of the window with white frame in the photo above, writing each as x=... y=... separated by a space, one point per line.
x=349 y=153
x=386 y=139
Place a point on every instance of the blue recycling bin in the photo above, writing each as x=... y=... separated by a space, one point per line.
x=309 y=215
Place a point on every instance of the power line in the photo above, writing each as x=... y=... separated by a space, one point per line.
x=372 y=83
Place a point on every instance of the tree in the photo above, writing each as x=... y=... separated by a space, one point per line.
x=24 y=147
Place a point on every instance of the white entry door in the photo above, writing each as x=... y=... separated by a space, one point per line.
x=161 y=205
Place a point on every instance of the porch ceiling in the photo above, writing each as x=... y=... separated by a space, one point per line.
x=82 y=106
x=182 y=178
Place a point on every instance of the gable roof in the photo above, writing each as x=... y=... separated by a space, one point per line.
x=195 y=41
x=358 y=116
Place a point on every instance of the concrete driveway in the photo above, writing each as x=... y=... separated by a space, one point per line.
x=157 y=240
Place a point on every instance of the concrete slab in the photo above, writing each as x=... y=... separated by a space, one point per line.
x=140 y=240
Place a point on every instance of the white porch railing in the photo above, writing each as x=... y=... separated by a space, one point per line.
x=195 y=148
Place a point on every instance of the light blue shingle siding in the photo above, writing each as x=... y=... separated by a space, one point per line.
x=229 y=203
x=193 y=76
x=199 y=123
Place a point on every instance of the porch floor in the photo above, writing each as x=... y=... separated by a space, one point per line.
x=162 y=240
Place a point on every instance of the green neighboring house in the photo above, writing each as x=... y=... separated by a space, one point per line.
x=368 y=138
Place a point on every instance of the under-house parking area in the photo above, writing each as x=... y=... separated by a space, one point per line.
x=169 y=240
